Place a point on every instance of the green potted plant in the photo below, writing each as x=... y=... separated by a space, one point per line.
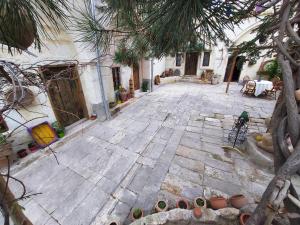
x=33 y=146
x=2 y=139
x=59 y=130
x=273 y=69
x=145 y=85
x=112 y=105
x=137 y=213
x=200 y=202
x=161 y=206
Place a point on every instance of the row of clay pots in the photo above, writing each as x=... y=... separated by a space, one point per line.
x=237 y=201
x=197 y=212
x=216 y=202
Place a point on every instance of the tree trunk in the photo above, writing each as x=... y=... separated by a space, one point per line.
x=10 y=205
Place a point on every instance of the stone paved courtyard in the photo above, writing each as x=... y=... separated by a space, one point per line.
x=165 y=145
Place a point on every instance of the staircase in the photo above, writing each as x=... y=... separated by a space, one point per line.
x=193 y=79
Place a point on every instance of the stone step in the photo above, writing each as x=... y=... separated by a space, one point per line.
x=193 y=79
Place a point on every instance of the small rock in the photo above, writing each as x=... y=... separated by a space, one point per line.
x=229 y=213
x=209 y=192
x=249 y=208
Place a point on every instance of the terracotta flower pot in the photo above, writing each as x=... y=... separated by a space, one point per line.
x=123 y=96
x=244 y=217
x=182 y=204
x=200 y=202
x=218 y=202
x=114 y=223
x=297 y=95
x=161 y=206
x=197 y=212
x=22 y=153
x=238 y=201
x=136 y=213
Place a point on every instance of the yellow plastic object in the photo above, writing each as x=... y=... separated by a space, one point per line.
x=43 y=134
x=258 y=138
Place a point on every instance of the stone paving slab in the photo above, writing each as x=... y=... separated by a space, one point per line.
x=165 y=145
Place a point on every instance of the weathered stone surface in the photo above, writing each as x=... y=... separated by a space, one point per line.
x=190 y=164
x=86 y=211
x=249 y=208
x=223 y=186
x=125 y=196
x=186 y=174
x=229 y=213
x=153 y=150
x=185 y=217
x=122 y=159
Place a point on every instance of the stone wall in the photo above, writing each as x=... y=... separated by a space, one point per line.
x=185 y=217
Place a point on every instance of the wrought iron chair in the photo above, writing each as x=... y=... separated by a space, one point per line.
x=250 y=88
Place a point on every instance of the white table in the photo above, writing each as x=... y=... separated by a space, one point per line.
x=261 y=86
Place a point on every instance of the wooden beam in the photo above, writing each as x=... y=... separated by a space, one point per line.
x=234 y=55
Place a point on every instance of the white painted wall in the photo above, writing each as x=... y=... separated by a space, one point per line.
x=125 y=73
x=63 y=48
x=159 y=66
x=219 y=53
x=171 y=64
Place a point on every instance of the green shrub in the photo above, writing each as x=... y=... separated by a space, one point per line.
x=145 y=85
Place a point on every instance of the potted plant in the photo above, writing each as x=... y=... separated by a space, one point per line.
x=137 y=213
x=59 y=130
x=3 y=125
x=199 y=202
x=145 y=85
x=182 y=204
x=123 y=94
x=215 y=79
x=33 y=147
x=113 y=223
x=297 y=94
x=161 y=206
x=112 y=105
x=22 y=153
x=218 y=202
x=238 y=201
x=244 y=217
x=197 y=212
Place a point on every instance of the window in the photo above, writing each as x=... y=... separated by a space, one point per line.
x=206 y=59
x=178 y=59
x=116 y=77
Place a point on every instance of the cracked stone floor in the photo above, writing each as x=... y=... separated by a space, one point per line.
x=167 y=144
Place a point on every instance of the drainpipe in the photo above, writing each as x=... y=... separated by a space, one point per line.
x=100 y=77
x=151 y=79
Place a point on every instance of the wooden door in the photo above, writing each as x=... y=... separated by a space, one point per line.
x=191 y=61
x=65 y=93
x=236 y=71
x=136 y=77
